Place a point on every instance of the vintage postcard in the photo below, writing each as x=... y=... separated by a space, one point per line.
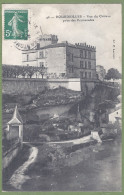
x=62 y=97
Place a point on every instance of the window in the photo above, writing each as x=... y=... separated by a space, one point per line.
x=42 y=64
x=70 y=57
x=85 y=74
x=89 y=55
x=41 y=54
x=85 y=54
x=82 y=75
x=27 y=57
x=69 y=70
x=89 y=74
x=85 y=64
x=72 y=69
x=89 y=65
x=81 y=64
x=81 y=53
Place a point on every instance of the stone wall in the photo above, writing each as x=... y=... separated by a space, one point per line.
x=87 y=86
x=34 y=86
x=9 y=155
x=23 y=86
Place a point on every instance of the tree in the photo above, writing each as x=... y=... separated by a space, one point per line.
x=24 y=71
x=7 y=71
x=11 y=71
x=16 y=71
x=30 y=71
x=42 y=70
x=113 y=74
x=4 y=71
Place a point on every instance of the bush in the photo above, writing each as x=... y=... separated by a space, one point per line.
x=110 y=126
x=44 y=138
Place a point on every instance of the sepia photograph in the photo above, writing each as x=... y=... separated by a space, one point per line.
x=62 y=97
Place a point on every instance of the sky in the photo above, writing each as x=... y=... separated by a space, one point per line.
x=105 y=32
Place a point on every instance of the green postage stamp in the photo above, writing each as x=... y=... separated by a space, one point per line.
x=16 y=24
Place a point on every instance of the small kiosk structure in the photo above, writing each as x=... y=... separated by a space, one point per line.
x=15 y=127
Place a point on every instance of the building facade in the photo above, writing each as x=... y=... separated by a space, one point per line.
x=62 y=60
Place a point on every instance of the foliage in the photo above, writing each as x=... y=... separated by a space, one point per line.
x=111 y=126
x=42 y=71
x=30 y=70
x=9 y=71
x=113 y=74
x=44 y=138
x=54 y=156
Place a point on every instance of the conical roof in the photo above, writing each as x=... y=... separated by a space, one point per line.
x=16 y=118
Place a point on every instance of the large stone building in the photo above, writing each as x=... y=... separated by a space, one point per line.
x=62 y=59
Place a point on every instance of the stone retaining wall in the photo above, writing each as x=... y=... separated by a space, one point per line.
x=34 y=86
x=9 y=155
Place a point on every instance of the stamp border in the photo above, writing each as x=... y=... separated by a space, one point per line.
x=7 y=11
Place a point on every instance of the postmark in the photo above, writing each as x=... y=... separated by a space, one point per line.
x=16 y=24
x=34 y=35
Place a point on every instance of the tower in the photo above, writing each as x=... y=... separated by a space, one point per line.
x=15 y=127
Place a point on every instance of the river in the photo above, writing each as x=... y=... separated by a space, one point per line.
x=100 y=171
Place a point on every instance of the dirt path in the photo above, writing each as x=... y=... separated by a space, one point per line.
x=19 y=177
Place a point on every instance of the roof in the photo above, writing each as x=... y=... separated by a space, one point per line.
x=116 y=112
x=16 y=118
x=63 y=44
